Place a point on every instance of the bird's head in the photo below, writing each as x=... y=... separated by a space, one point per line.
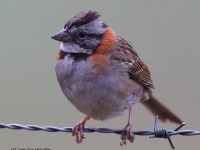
x=82 y=33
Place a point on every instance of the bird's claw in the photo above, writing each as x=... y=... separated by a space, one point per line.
x=127 y=134
x=77 y=131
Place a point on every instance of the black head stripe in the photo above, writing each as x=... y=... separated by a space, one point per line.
x=82 y=18
x=96 y=36
x=90 y=36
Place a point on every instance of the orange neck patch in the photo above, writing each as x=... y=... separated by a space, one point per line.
x=58 y=56
x=109 y=37
x=61 y=54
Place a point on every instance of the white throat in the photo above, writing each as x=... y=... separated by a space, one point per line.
x=63 y=47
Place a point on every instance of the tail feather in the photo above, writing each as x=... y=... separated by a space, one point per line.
x=157 y=108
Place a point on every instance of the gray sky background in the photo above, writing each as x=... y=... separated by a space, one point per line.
x=165 y=34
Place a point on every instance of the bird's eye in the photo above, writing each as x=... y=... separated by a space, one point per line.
x=82 y=35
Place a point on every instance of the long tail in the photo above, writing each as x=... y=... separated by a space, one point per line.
x=157 y=108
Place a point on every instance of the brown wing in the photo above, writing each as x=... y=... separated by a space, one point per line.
x=137 y=70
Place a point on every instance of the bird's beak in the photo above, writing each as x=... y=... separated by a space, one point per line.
x=62 y=36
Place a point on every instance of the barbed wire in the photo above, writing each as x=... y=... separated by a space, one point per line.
x=155 y=133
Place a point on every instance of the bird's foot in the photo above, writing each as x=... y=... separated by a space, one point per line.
x=77 y=130
x=127 y=134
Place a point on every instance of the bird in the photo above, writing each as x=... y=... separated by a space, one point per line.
x=102 y=75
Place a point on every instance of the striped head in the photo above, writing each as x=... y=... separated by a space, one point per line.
x=81 y=34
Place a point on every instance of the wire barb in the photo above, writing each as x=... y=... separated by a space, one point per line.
x=161 y=133
x=156 y=133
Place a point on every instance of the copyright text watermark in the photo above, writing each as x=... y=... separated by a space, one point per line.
x=14 y=148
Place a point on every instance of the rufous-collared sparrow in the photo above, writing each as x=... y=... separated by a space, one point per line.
x=102 y=75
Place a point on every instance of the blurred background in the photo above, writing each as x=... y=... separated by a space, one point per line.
x=165 y=34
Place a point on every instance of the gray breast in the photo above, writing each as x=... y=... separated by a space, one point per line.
x=100 y=96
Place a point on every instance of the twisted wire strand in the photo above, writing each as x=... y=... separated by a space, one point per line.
x=155 y=133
